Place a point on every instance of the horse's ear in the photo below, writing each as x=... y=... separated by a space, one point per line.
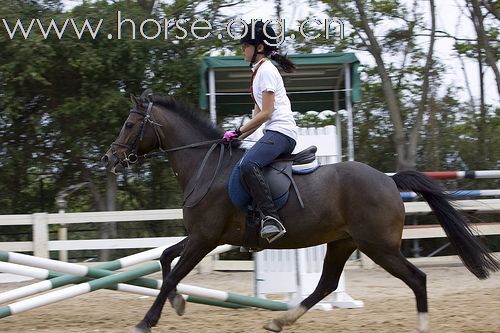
x=146 y=93
x=134 y=100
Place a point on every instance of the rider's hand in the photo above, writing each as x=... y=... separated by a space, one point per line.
x=231 y=135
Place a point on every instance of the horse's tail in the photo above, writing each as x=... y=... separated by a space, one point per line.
x=473 y=253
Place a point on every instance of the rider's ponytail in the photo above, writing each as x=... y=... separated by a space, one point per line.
x=283 y=61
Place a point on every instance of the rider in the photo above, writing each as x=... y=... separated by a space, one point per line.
x=271 y=108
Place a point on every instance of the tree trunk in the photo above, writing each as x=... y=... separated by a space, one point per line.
x=388 y=88
x=411 y=157
x=104 y=230
x=483 y=40
x=108 y=230
x=481 y=122
x=432 y=151
x=147 y=5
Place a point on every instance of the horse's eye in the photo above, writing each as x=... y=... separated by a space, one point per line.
x=129 y=125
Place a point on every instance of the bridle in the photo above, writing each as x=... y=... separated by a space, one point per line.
x=130 y=155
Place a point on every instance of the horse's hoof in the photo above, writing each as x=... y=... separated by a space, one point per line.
x=141 y=328
x=179 y=304
x=273 y=326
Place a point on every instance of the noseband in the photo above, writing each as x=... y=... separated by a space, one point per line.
x=130 y=156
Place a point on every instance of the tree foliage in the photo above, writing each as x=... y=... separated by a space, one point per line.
x=63 y=100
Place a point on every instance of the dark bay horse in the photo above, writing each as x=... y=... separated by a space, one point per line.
x=348 y=206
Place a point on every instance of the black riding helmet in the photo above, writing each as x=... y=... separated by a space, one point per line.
x=268 y=39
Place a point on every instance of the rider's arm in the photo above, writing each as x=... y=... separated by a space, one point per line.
x=261 y=116
x=255 y=111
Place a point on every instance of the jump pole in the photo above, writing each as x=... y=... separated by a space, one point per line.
x=78 y=272
x=458 y=194
x=76 y=290
x=113 y=279
x=196 y=294
x=480 y=174
x=40 y=273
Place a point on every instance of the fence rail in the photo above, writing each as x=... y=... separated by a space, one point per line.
x=41 y=245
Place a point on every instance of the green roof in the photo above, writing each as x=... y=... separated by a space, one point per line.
x=317 y=84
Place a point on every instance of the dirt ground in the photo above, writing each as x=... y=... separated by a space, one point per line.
x=458 y=302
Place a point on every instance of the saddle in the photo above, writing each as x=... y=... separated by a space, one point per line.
x=279 y=176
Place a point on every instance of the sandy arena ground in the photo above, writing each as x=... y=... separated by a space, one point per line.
x=458 y=302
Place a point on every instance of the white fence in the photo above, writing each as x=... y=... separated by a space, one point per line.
x=41 y=245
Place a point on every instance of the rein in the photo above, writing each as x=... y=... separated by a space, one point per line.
x=214 y=143
x=163 y=152
x=131 y=157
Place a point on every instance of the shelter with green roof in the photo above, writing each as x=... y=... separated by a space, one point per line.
x=325 y=81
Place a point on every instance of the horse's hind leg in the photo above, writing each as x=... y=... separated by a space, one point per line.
x=393 y=261
x=336 y=256
x=176 y=300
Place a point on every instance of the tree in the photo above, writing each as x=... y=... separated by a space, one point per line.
x=63 y=101
x=483 y=50
x=364 y=16
x=484 y=40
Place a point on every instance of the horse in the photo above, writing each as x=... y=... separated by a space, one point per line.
x=347 y=205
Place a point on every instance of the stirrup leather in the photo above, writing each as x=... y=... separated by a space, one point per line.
x=279 y=225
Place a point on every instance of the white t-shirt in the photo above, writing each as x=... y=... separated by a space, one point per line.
x=268 y=78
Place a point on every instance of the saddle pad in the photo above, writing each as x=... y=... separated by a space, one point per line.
x=304 y=169
x=242 y=199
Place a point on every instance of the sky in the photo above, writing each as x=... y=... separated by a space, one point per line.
x=450 y=18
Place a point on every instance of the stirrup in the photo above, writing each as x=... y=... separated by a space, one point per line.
x=277 y=224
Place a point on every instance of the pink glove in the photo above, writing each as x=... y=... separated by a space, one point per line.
x=229 y=136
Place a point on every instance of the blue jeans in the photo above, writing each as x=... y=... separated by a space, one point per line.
x=266 y=150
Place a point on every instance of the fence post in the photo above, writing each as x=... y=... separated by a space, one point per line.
x=40 y=235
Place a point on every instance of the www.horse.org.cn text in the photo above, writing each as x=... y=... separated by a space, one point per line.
x=169 y=29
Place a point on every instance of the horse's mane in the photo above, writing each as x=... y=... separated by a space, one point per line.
x=191 y=114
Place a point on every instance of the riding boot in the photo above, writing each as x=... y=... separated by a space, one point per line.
x=252 y=230
x=271 y=227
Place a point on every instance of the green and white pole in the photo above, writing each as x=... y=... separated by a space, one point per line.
x=196 y=294
x=78 y=272
x=80 y=289
x=232 y=298
x=40 y=273
x=208 y=296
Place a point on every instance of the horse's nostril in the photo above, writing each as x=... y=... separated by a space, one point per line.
x=105 y=160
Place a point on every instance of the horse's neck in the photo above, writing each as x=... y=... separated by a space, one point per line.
x=186 y=162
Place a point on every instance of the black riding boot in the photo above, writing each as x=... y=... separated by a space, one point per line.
x=271 y=227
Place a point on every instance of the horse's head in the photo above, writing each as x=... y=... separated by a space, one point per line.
x=139 y=135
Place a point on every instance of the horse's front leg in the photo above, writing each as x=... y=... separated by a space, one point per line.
x=176 y=300
x=194 y=251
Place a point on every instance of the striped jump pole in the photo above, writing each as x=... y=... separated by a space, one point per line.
x=458 y=194
x=78 y=272
x=482 y=174
x=120 y=277
x=40 y=273
x=77 y=290
x=196 y=294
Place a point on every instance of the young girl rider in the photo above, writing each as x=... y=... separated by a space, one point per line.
x=271 y=108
